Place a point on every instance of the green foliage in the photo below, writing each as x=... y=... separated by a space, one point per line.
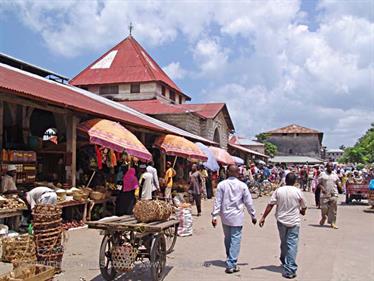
x=270 y=148
x=362 y=151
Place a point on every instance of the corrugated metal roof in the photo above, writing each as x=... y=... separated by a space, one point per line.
x=26 y=84
x=244 y=141
x=155 y=107
x=295 y=159
x=127 y=62
x=247 y=150
x=294 y=129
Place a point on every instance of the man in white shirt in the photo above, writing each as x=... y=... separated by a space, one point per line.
x=290 y=204
x=8 y=184
x=231 y=197
x=145 y=183
x=153 y=171
x=41 y=195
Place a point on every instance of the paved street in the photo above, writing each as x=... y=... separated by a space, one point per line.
x=346 y=254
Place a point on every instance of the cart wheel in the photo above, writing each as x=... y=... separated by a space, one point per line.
x=105 y=259
x=158 y=257
x=255 y=192
x=171 y=235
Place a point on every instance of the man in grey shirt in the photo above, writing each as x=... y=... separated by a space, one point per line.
x=231 y=197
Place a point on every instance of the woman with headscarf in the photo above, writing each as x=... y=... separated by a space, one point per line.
x=126 y=199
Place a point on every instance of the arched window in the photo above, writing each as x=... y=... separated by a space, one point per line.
x=217 y=136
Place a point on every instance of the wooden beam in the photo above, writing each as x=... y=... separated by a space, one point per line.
x=71 y=149
x=1 y=123
x=13 y=99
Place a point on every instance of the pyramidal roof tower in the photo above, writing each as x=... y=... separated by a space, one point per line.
x=128 y=68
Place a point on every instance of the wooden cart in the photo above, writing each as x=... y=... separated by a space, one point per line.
x=152 y=241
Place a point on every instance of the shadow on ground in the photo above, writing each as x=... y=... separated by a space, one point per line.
x=272 y=268
x=138 y=274
x=219 y=263
x=320 y=226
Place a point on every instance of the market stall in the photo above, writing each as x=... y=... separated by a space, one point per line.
x=181 y=151
x=112 y=146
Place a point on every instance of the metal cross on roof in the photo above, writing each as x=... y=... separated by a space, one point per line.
x=131 y=27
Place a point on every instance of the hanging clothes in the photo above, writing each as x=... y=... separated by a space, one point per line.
x=99 y=158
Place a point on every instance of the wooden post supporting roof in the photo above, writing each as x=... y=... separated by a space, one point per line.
x=1 y=123
x=71 y=149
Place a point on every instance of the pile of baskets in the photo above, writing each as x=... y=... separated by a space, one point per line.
x=19 y=249
x=48 y=235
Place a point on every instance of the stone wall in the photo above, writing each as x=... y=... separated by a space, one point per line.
x=198 y=126
x=188 y=122
x=292 y=144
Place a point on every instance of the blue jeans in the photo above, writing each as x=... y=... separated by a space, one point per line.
x=233 y=237
x=289 y=237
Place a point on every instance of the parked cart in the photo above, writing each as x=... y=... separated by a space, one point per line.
x=126 y=242
x=356 y=191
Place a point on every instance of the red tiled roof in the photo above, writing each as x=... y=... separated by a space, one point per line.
x=29 y=85
x=155 y=107
x=294 y=129
x=21 y=83
x=127 y=62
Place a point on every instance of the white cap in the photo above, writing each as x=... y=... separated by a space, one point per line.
x=12 y=168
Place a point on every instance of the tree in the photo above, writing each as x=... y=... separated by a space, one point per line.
x=362 y=151
x=270 y=148
x=342 y=147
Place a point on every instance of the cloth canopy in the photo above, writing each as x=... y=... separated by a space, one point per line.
x=211 y=163
x=114 y=136
x=222 y=155
x=179 y=146
x=238 y=160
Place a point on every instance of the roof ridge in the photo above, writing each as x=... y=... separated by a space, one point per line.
x=138 y=50
x=97 y=60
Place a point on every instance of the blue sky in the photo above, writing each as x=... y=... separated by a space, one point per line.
x=273 y=62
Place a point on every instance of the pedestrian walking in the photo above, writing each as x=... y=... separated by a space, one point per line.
x=196 y=187
x=328 y=182
x=290 y=204
x=231 y=197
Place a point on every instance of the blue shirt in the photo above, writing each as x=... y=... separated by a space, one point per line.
x=231 y=197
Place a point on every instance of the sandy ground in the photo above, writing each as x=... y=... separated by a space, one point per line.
x=346 y=254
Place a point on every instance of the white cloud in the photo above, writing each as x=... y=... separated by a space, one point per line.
x=210 y=56
x=258 y=56
x=174 y=70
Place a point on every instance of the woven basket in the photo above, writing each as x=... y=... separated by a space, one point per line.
x=47 y=225
x=95 y=195
x=20 y=248
x=124 y=257
x=152 y=210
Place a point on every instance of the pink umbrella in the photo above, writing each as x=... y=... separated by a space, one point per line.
x=222 y=155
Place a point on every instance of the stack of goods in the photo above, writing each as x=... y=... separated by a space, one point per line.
x=152 y=210
x=48 y=235
x=19 y=249
x=184 y=216
x=81 y=195
x=29 y=273
x=66 y=225
x=12 y=202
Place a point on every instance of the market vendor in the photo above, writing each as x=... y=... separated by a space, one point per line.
x=8 y=183
x=169 y=175
x=41 y=195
